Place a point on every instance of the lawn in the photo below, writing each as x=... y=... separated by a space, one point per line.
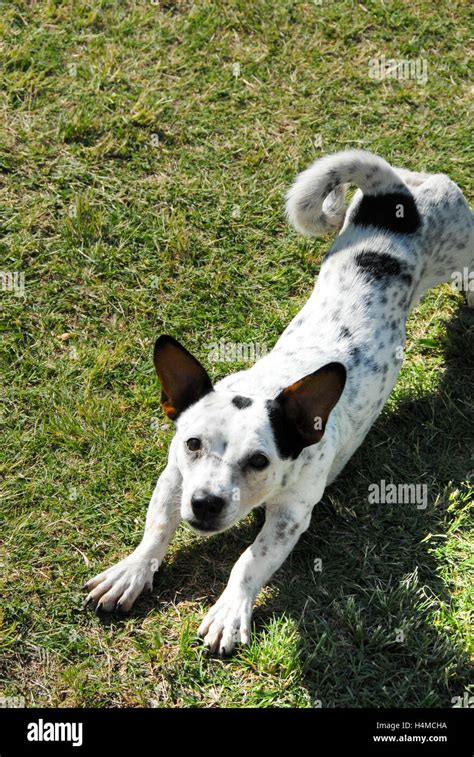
x=145 y=150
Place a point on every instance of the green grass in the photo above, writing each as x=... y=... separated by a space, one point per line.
x=127 y=141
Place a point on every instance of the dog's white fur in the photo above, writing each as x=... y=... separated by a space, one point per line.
x=356 y=315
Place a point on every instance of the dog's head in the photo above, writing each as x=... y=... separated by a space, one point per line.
x=234 y=452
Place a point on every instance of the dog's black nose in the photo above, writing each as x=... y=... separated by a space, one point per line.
x=207 y=507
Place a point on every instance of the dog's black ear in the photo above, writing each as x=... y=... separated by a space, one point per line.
x=182 y=377
x=306 y=404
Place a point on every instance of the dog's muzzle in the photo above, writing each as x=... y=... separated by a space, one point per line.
x=206 y=511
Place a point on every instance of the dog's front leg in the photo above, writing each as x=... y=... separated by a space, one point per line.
x=119 y=586
x=228 y=622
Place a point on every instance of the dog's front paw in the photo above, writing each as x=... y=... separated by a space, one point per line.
x=118 y=587
x=227 y=623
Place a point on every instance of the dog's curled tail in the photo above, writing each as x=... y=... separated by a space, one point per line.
x=315 y=203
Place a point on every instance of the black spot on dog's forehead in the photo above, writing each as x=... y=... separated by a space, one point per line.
x=241 y=402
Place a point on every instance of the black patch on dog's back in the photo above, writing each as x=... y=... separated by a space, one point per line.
x=241 y=402
x=382 y=267
x=286 y=439
x=383 y=212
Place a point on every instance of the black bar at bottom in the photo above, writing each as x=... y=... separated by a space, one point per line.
x=87 y=731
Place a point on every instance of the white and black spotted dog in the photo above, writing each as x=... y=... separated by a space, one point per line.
x=278 y=433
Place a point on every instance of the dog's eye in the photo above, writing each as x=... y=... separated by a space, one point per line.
x=257 y=461
x=193 y=444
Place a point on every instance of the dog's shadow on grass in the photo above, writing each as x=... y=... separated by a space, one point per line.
x=371 y=619
x=364 y=587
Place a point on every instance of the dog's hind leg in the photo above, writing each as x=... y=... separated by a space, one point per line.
x=448 y=237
